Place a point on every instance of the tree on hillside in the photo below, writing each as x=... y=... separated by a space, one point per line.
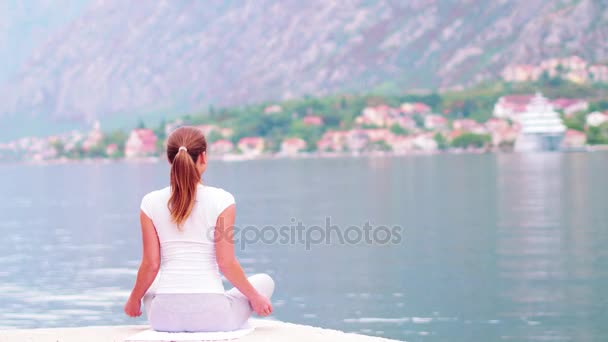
x=442 y=143
x=97 y=151
x=575 y=121
x=213 y=136
x=59 y=147
x=598 y=106
x=310 y=134
x=117 y=137
x=332 y=120
x=419 y=120
x=398 y=130
x=379 y=145
x=160 y=130
x=343 y=103
x=468 y=139
x=598 y=135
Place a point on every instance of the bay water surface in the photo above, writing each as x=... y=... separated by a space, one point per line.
x=494 y=247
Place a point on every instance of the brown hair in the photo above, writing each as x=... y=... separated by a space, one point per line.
x=184 y=174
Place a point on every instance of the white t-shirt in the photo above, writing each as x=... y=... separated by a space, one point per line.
x=188 y=262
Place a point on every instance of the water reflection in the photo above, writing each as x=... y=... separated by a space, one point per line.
x=544 y=245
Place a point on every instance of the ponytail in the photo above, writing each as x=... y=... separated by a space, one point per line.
x=184 y=147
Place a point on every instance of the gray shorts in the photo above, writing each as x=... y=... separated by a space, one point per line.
x=200 y=312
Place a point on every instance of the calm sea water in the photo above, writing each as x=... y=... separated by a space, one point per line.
x=494 y=247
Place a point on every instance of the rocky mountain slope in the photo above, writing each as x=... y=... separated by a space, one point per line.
x=26 y=24
x=124 y=57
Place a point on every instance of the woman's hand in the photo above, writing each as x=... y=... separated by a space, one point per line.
x=261 y=305
x=133 y=307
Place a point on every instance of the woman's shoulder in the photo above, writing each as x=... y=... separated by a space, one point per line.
x=158 y=193
x=218 y=194
x=151 y=201
x=215 y=191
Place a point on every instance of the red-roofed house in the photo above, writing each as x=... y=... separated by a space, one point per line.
x=333 y=141
x=94 y=137
x=111 y=150
x=425 y=142
x=468 y=125
x=402 y=144
x=221 y=146
x=574 y=63
x=599 y=73
x=172 y=126
x=406 y=122
x=578 y=76
x=251 y=146
x=435 y=122
x=504 y=135
x=226 y=132
x=415 y=108
x=357 y=140
x=292 y=146
x=454 y=134
x=521 y=73
x=313 y=120
x=377 y=116
x=141 y=143
x=208 y=128
x=510 y=106
x=574 y=139
x=550 y=66
x=272 y=109
x=380 y=134
x=570 y=106
x=568 y=64
x=325 y=145
x=495 y=124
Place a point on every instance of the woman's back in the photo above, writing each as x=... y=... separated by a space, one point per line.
x=188 y=262
x=187 y=233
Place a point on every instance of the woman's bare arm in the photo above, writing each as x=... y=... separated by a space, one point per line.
x=224 y=252
x=150 y=263
x=229 y=265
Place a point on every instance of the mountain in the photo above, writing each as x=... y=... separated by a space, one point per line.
x=25 y=24
x=131 y=58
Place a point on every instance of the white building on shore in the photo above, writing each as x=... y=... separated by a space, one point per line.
x=542 y=128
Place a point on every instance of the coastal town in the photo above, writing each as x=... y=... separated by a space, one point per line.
x=517 y=122
x=573 y=69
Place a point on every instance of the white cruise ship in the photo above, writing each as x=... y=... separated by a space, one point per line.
x=542 y=128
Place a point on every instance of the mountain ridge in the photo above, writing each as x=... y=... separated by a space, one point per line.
x=122 y=57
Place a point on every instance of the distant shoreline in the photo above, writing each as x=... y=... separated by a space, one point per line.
x=328 y=155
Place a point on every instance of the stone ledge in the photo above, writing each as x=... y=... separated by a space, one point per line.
x=265 y=330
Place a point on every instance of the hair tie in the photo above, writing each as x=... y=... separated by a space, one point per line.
x=182 y=148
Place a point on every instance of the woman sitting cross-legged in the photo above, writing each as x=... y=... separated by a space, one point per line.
x=187 y=231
